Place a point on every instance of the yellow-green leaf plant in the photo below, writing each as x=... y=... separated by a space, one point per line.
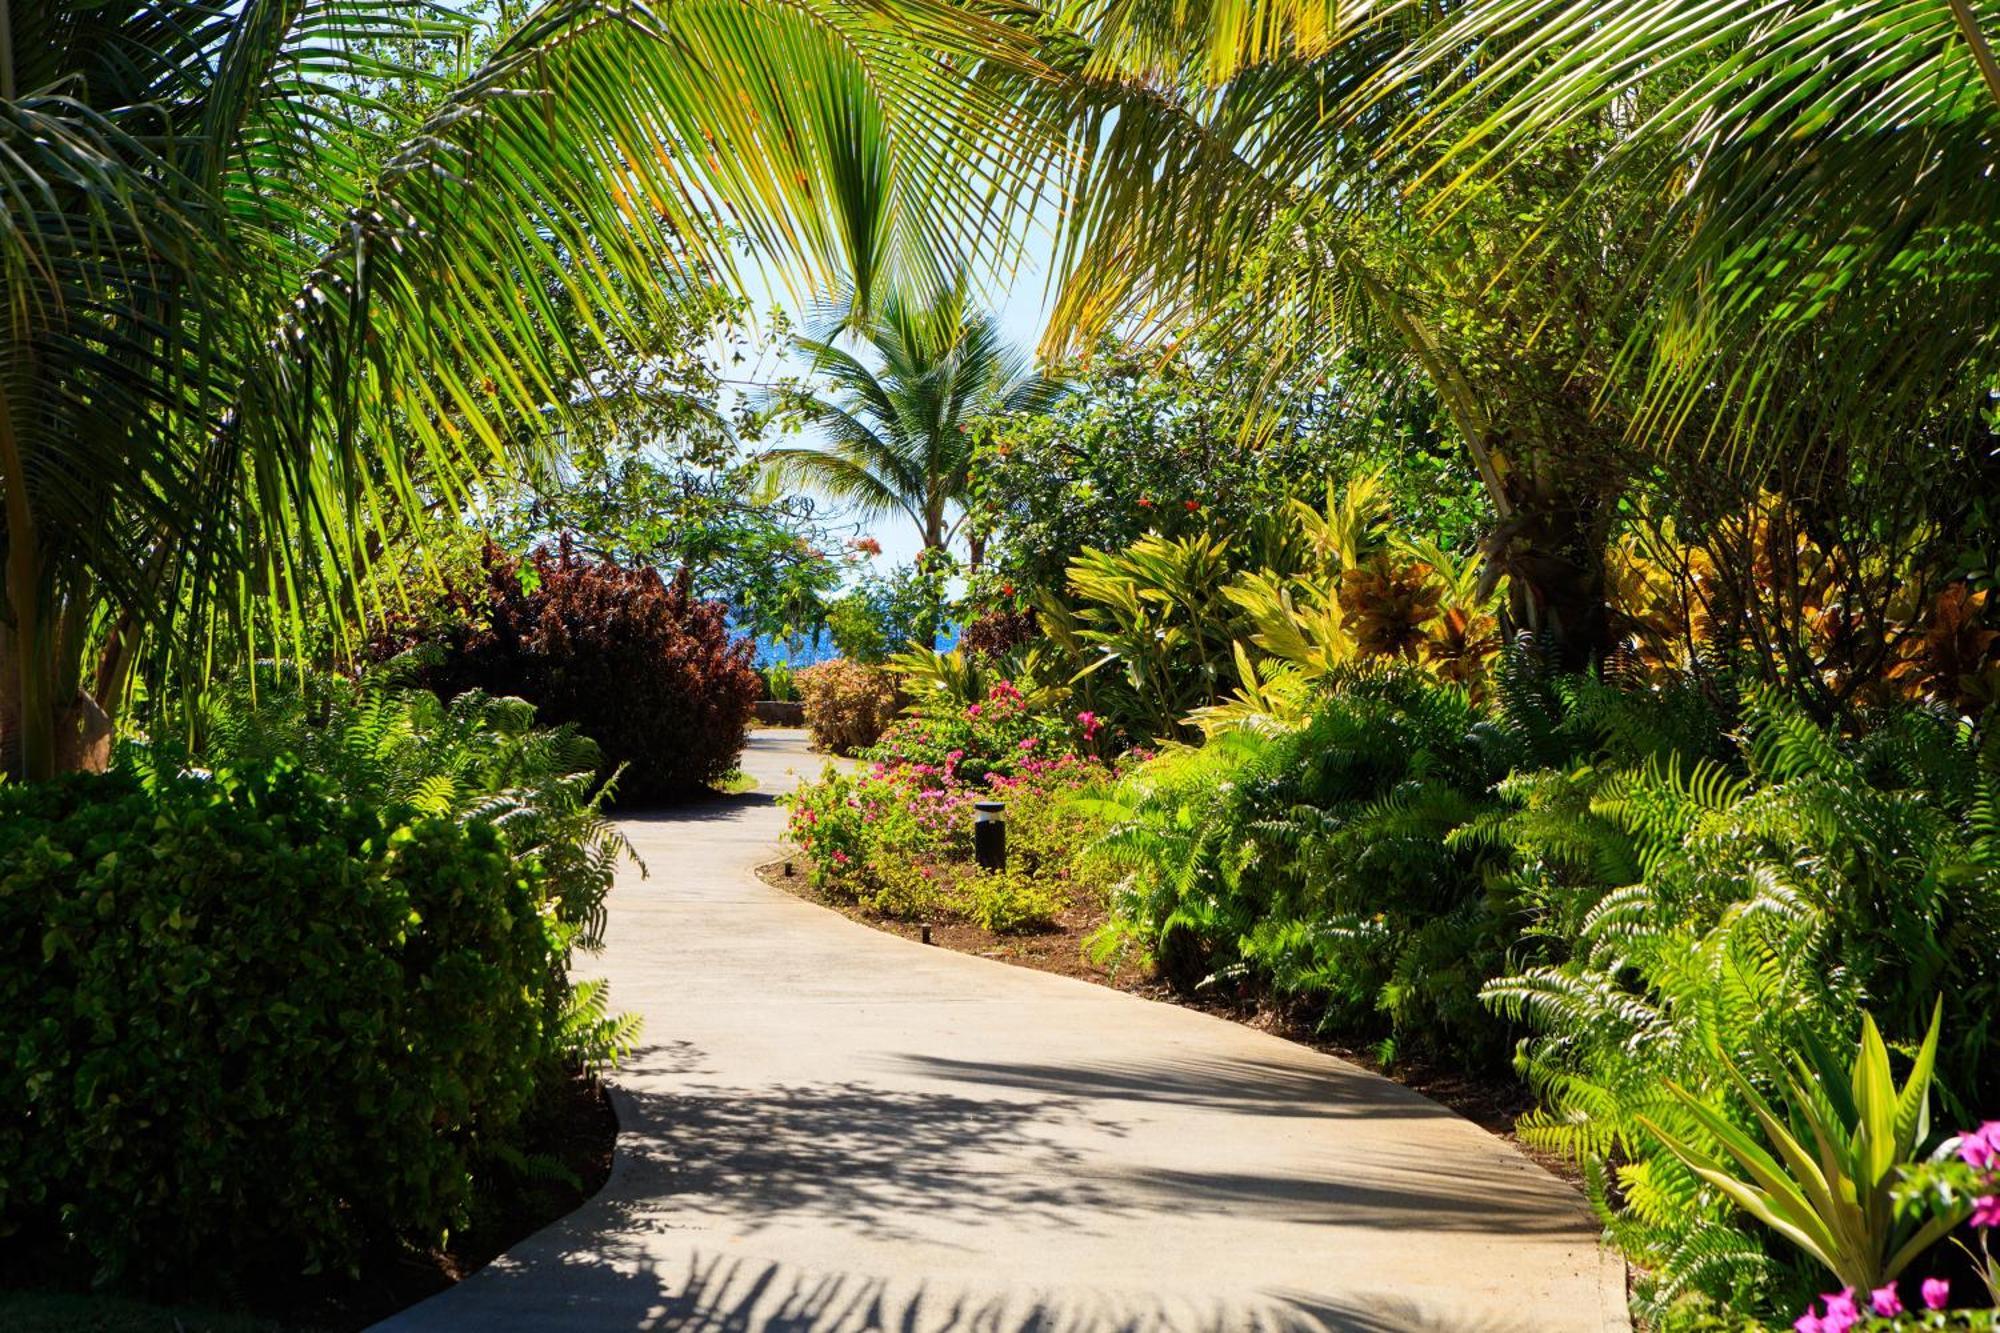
x=1822 y=1171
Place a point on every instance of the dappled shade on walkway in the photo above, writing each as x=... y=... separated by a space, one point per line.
x=827 y=1128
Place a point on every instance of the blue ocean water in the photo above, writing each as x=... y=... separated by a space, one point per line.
x=803 y=652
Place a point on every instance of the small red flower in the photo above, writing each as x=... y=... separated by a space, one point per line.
x=1145 y=503
x=1191 y=505
x=1006 y=590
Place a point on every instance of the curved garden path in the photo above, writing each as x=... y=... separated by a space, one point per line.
x=828 y=1128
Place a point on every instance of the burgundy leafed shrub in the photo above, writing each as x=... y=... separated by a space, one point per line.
x=997 y=632
x=639 y=665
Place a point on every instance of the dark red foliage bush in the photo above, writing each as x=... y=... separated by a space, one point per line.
x=641 y=666
x=997 y=632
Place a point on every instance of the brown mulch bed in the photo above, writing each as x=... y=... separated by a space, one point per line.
x=577 y=1128
x=1493 y=1103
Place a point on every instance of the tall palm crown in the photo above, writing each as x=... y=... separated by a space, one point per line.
x=273 y=271
x=900 y=436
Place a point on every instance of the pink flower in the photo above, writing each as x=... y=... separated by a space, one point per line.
x=1937 y=1293
x=1841 y=1311
x=1885 y=1302
x=1090 y=722
x=1028 y=744
x=840 y=858
x=1986 y=1211
x=1981 y=1147
x=1841 y=1315
x=973 y=710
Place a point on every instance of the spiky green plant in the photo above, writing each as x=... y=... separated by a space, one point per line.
x=1822 y=1171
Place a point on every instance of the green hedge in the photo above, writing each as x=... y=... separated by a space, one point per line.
x=244 y=1023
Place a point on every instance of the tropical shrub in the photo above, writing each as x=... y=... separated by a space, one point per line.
x=1316 y=864
x=896 y=838
x=857 y=620
x=475 y=759
x=998 y=633
x=848 y=704
x=1823 y=1168
x=998 y=735
x=637 y=664
x=1775 y=899
x=780 y=682
x=253 y=1024
x=1346 y=865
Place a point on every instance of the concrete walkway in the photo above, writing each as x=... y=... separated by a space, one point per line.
x=829 y=1128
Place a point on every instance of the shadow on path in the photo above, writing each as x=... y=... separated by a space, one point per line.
x=715 y=1293
x=891 y=1162
x=1233 y=1085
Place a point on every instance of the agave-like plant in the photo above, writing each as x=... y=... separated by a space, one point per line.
x=1825 y=1175
x=274 y=271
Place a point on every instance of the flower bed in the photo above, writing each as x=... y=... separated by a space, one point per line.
x=896 y=836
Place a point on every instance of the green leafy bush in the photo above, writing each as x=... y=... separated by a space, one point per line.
x=998 y=735
x=1775 y=900
x=1004 y=901
x=640 y=666
x=897 y=839
x=848 y=705
x=250 y=1025
x=476 y=758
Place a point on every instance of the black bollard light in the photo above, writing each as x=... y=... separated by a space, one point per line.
x=989 y=835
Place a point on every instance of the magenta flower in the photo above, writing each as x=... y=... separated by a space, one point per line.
x=1981 y=1147
x=974 y=710
x=1986 y=1211
x=1885 y=1302
x=840 y=858
x=1808 y=1323
x=1028 y=744
x=1841 y=1311
x=1937 y=1293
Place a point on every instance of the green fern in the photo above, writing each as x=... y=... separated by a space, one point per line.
x=476 y=758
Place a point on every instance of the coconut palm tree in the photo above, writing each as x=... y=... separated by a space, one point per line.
x=274 y=271
x=1773 y=221
x=900 y=435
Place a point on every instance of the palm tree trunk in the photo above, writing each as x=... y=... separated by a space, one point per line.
x=27 y=717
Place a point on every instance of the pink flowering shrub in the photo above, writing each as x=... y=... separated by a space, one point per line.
x=998 y=735
x=1964 y=1184
x=896 y=836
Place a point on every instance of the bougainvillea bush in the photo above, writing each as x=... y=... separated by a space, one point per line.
x=896 y=836
x=997 y=736
x=635 y=662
